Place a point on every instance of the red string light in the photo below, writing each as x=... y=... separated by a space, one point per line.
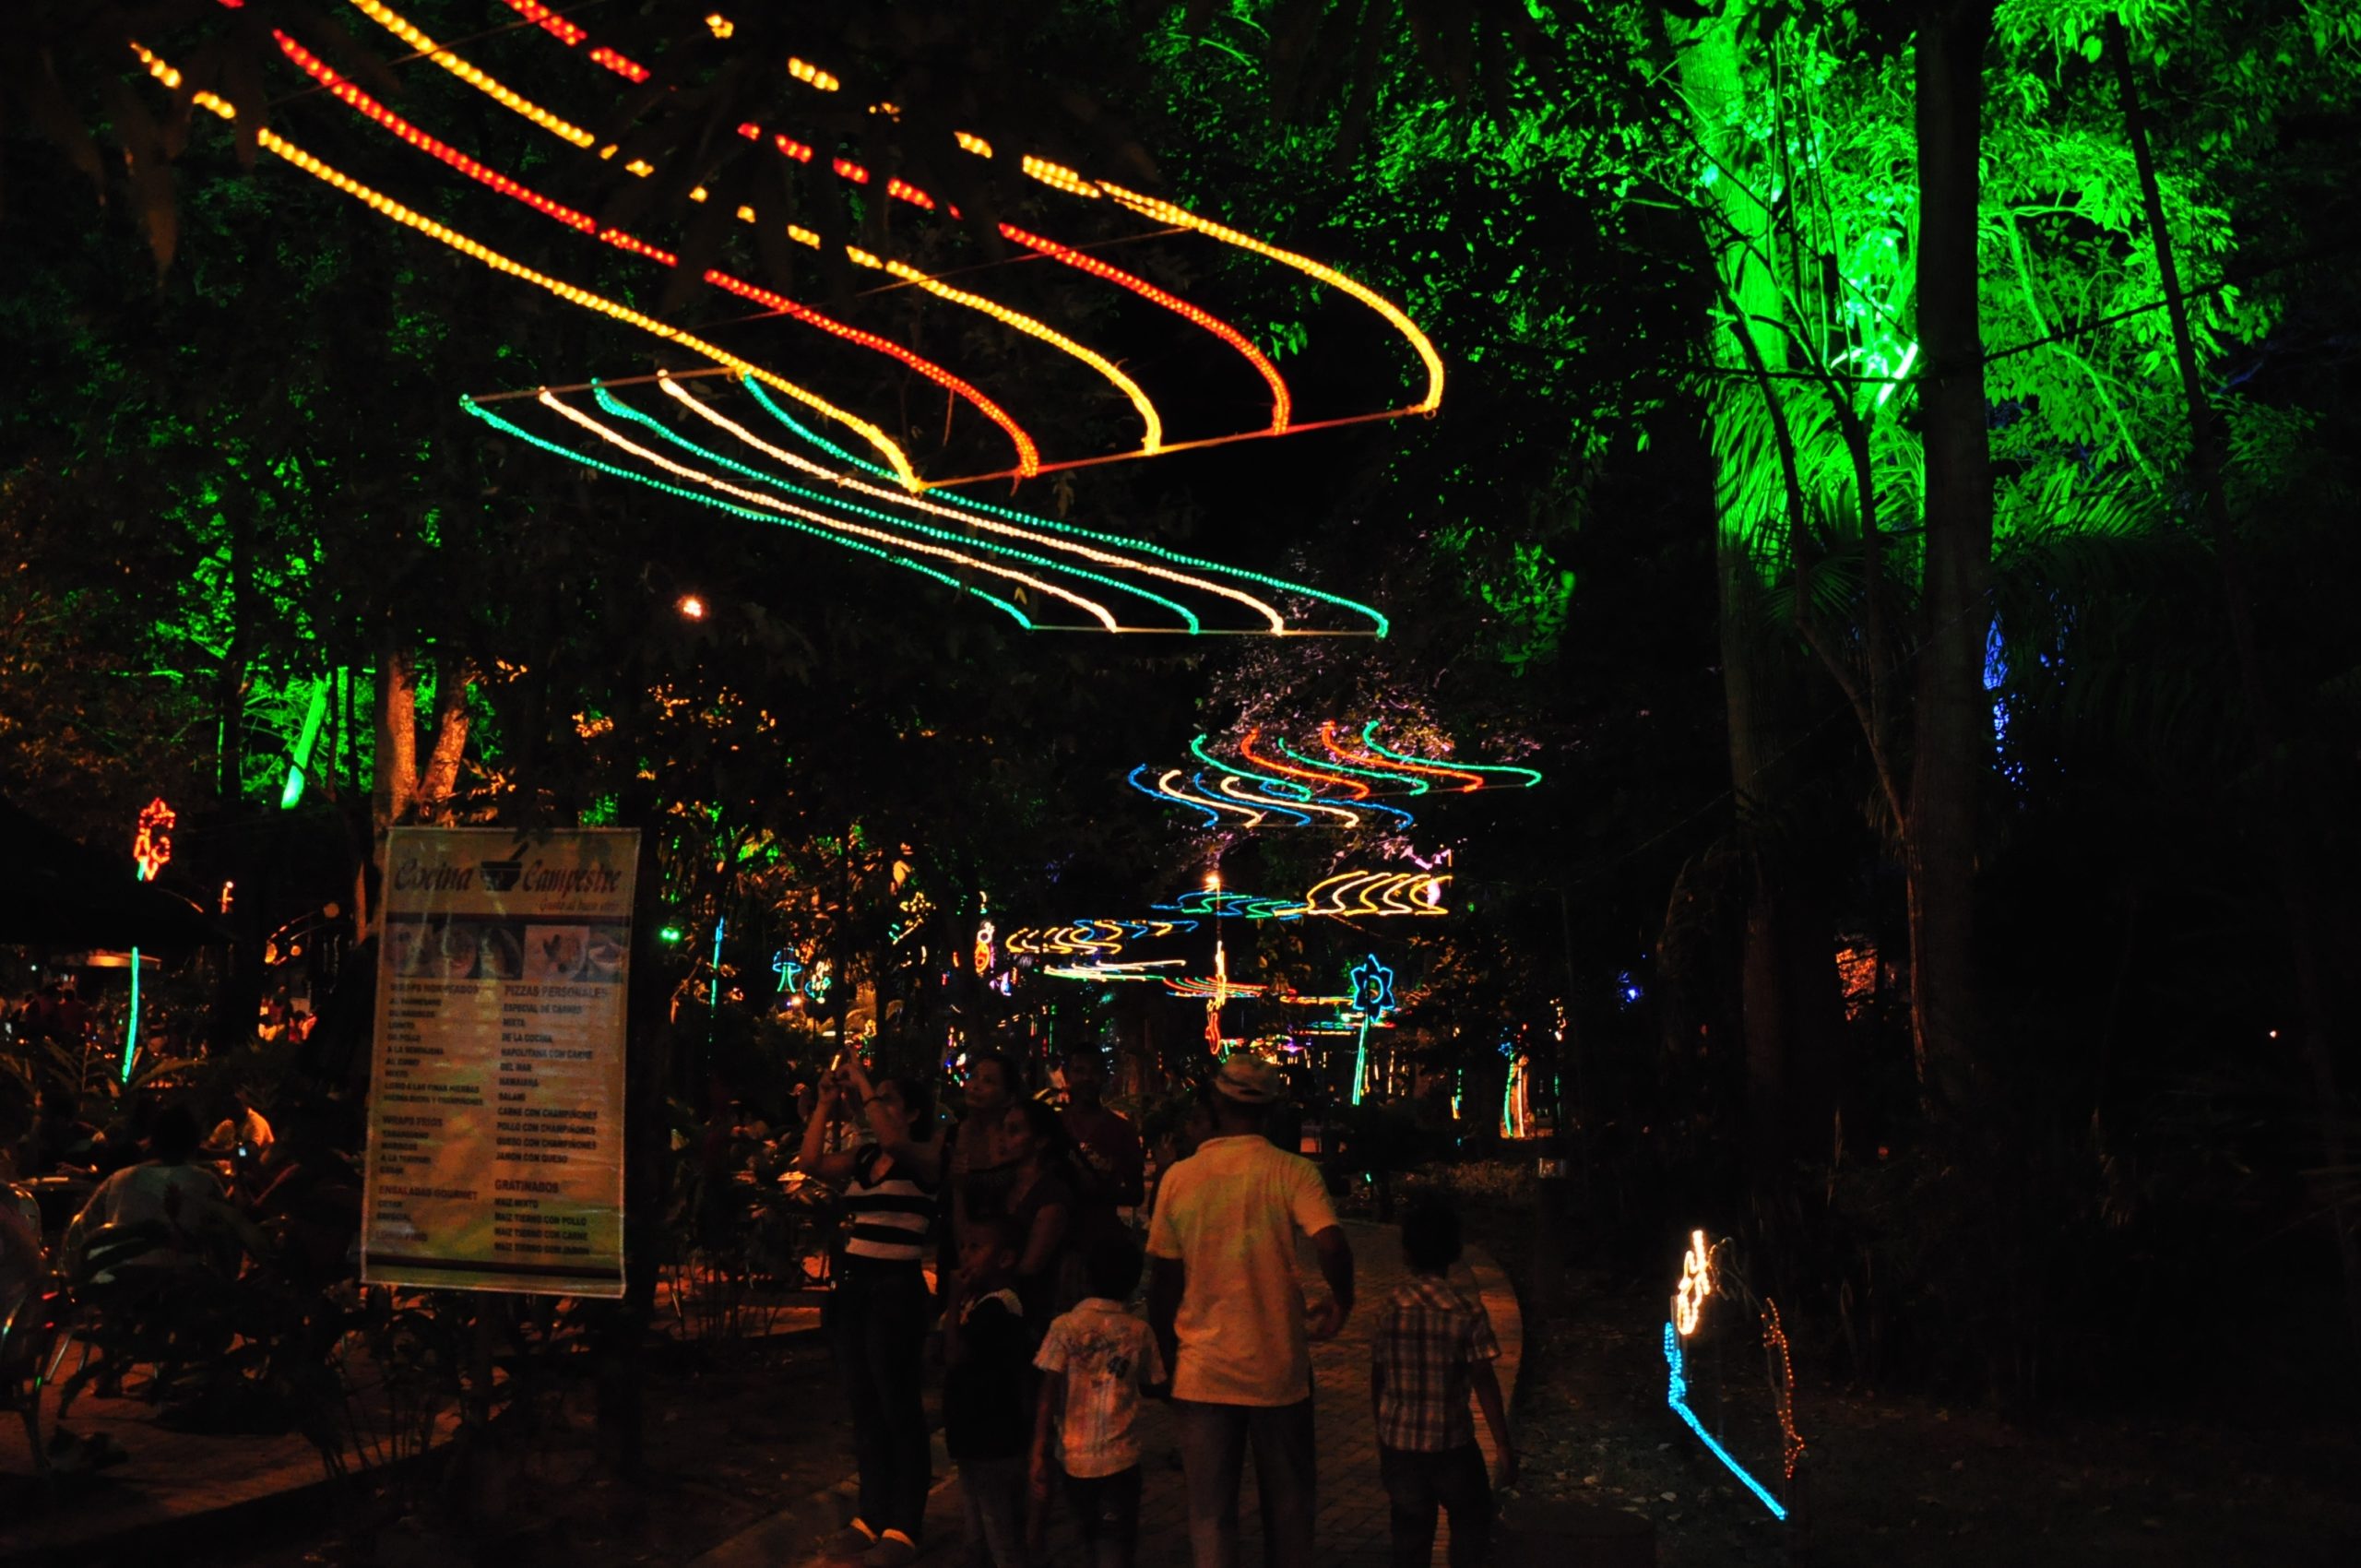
x=630 y=70
x=850 y=170
x=549 y=21
x=1029 y=456
x=1359 y=791
x=321 y=72
x=1281 y=401
x=1376 y=763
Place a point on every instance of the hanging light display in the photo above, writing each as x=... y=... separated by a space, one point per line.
x=1700 y=1283
x=1285 y=786
x=1376 y=893
x=151 y=850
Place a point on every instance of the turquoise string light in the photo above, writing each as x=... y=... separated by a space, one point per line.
x=1393 y=780
x=1293 y=792
x=470 y=406
x=1677 y=1395
x=1368 y=738
x=621 y=409
x=1377 y=620
x=1213 y=818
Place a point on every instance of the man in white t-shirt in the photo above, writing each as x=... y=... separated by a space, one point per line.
x=1235 y=1327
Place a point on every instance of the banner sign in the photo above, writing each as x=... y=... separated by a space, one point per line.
x=496 y=1102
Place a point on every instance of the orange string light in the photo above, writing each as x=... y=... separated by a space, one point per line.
x=1782 y=1387
x=1180 y=217
x=547 y=21
x=629 y=69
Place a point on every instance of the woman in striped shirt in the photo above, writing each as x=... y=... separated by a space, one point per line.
x=878 y=1315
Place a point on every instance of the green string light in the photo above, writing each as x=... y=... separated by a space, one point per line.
x=472 y=406
x=1383 y=626
x=1368 y=738
x=621 y=409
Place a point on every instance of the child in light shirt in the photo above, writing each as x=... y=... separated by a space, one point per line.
x=1096 y=1360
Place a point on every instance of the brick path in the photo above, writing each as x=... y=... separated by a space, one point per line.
x=1351 y=1529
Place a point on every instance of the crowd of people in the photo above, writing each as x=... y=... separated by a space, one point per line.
x=1030 y=1215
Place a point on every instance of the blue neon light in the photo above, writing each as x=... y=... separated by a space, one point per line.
x=1213 y=818
x=1677 y=1395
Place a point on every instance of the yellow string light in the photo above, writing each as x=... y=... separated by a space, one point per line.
x=1696 y=1284
x=1352 y=819
x=1153 y=439
x=1180 y=217
x=810 y=75
x=970 y=142
x=771 y=504
x=1058 y=176
x=719 y=25
x=977 y=521
x=1164 y=787
x=393 y=21
x=893 y=454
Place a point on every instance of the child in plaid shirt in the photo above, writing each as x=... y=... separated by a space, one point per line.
x=1432 y=1346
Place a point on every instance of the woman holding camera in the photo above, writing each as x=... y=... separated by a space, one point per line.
x=879 y=1312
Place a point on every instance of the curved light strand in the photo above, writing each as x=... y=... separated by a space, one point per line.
x=279 y=145
x=1381 y=625
x=1417 y=786
x=1270 y=615
x=1029 y=456
x=1213 y=817
x=616 y=438
x=1197 y=749
x=1163 y=786
x=1368 y=738
x=508 y=428
x=1180 y=217
x=1282 y=401
x=1294 y=808
x=617 y=406
x=1360 y=791
x=393 y=21
x=1328 y=739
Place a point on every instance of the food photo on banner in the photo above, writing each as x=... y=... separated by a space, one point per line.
x=496 y=1131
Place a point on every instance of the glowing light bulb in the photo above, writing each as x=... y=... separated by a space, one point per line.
x=719 y=25
x=692 y=608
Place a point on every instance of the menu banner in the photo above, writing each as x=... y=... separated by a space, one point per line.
x=495 y=1153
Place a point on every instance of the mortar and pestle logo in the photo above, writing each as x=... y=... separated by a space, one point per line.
x=502 y=876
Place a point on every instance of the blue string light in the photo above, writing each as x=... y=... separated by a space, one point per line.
x=1213 y=818
x=1677 y=1395
x=470 y=406
x=1303 y=819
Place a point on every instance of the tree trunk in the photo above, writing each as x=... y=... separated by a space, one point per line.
x=2286 y=805
x=396 y=751
x=1954 y=733
x=440 y=779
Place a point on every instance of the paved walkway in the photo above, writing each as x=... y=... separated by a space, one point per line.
x=1351 y=1528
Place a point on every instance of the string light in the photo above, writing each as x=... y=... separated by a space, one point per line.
x=1380 y=625
x=1164 y=787
x=1212 y=817
x=1151 y=442
x=151 y=846
x=1058 y=177
x=1180 y=217
x=551 y=23
x=1358 y=790
x=970 y=142
x=472 y=407
x=1328 y=739
x=1292 y=791
x=630 y=70
x=1043 y=534
x=1676 y=1396
x=385 y=17
x=719 y=25
x=1783 y=1388
x=389 y=208
x=1294 y=808
x=1282 y=401
x=1368 y=737
x=615 y=438
x=1375 y=894
x=1028 y=455
x=1221 y=986
x=1696 y=1284
x=1415 y=786
x=565 y=291
x=812 y=75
